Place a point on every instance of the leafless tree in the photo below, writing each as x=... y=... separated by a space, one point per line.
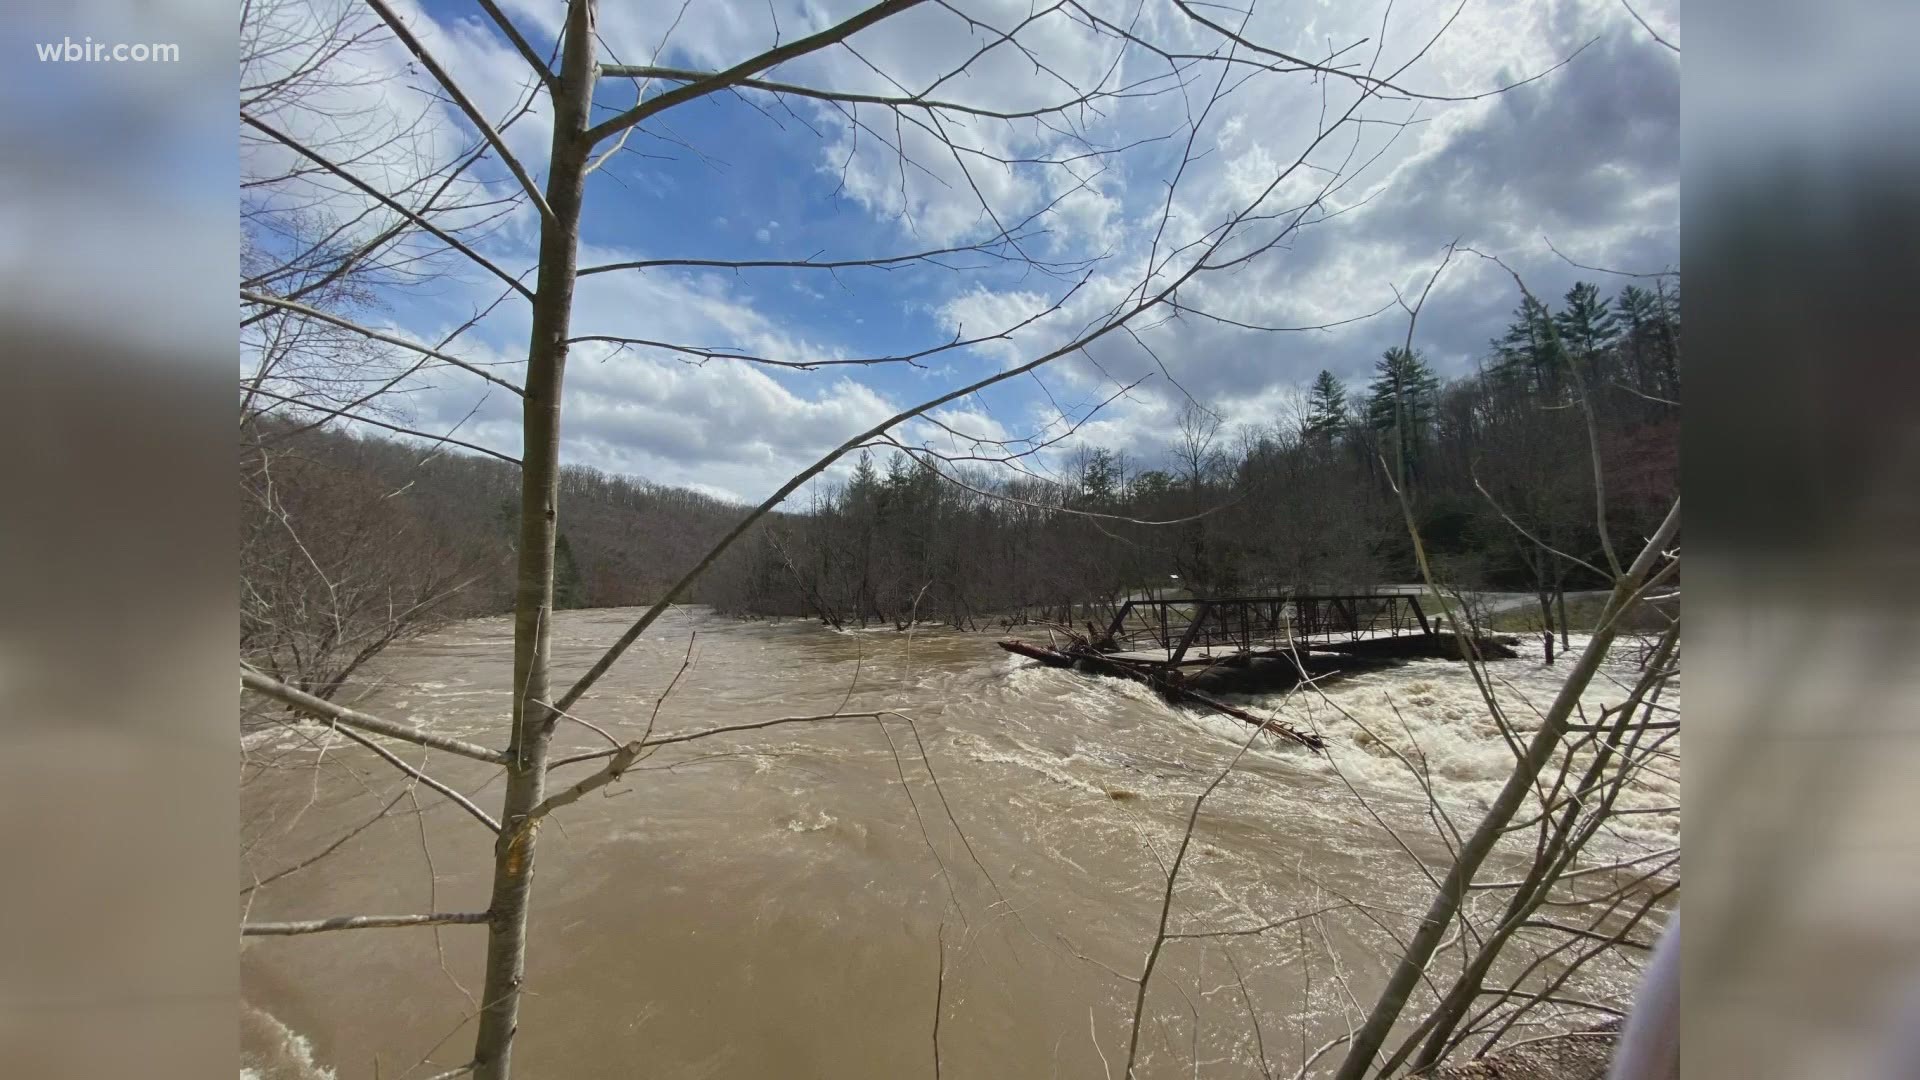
x=333 y=569
x=1575 y=770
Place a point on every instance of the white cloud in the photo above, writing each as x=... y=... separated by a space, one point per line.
x=1582 y=154
x=729 y=425
x=723 y=425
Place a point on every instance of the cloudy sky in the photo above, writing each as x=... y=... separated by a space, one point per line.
x=1587 y=156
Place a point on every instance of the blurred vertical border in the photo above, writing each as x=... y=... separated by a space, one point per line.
x=1801 y=465
x=118 y=256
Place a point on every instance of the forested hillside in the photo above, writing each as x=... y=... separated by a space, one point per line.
x=351 y=541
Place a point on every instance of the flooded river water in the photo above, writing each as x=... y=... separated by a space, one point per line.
x=828 y=900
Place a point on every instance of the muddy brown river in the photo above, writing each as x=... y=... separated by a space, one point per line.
x=828 y=900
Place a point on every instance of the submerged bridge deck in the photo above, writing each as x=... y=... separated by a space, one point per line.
x=1156 y=641
x=1211 y=630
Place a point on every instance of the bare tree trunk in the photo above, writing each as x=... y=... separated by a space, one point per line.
x=1536 y=559
x=1548 y=865
x=1546 y=623
x=1447 y=900
x=1560 y=603
x=539 y=510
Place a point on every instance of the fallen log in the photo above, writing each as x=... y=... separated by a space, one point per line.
x=1279 y=727
x=1048 y=656
x=1170 y=686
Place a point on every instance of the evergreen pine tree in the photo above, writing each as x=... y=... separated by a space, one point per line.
x=1587 y=327
x=1402 y=391
x=1528 y=352
x=863 y=491
x=1636 y=312
x=1635 y=307
x=569 y=590
x=1326 y=408
x=1400 y=406
x=1501 y=372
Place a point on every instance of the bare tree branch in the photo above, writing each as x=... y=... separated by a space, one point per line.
x=1166 y=902
x=626 y=755
x=520 y=44
x=474 y=115
x=397 y=762
x=320 y=709
x=1651 y=32
x=330 y=319
x=720 y=80
x=360 y=922
x=359 y=418
x=888 y=101
x=388 y=201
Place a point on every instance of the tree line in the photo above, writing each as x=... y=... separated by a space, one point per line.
x=353 y=541
x=1496 y=466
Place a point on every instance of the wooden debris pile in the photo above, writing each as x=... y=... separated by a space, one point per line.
x=1079 y=653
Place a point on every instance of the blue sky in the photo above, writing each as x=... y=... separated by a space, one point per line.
x=1587 y=156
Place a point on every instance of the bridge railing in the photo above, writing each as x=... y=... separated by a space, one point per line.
x=1246 y=623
